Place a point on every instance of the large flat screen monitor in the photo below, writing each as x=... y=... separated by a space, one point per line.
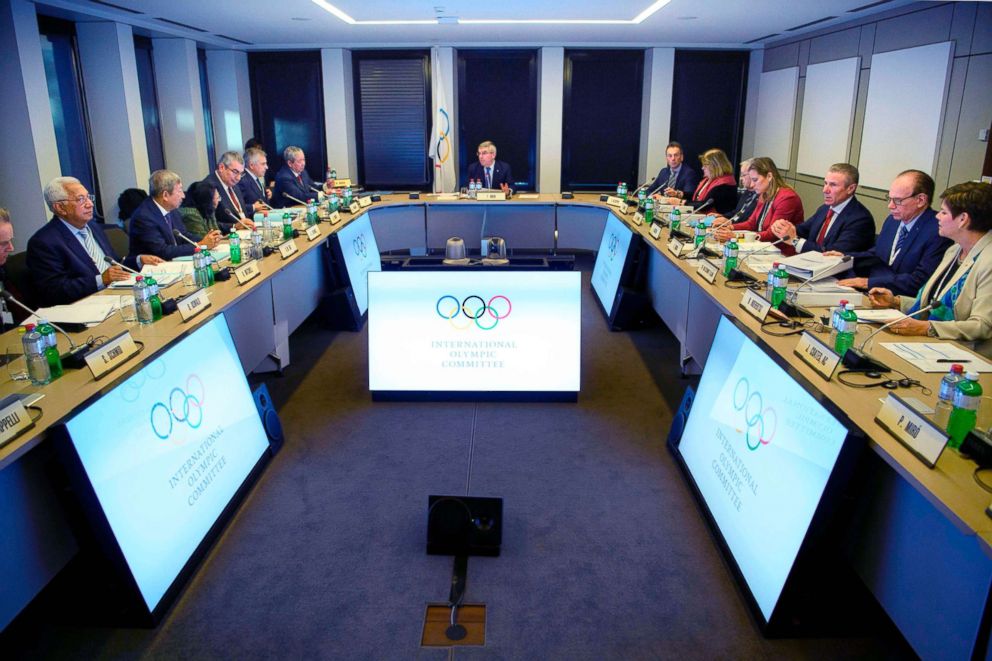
x=360 y=254
x=474 y=332
x=159 y=458
x=612 y=265
x=762 y=453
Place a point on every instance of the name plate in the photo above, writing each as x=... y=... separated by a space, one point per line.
x=638 y=218
x=193 y=304
x=335 y=218
x=109 y=355
x=913 y=429
x=708 y=270
x=341 y=183
x=756 y=304
x=817 y=355
x=364 y=201
x=288 y=248
x=491 y=196
x=674 y=245
x=624 y=209
x=14 y=420
x=354 y=207
x=313 y=232
x=614 y=201
x=247 y=271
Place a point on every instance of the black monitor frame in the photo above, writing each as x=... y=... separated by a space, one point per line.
x=632 y=274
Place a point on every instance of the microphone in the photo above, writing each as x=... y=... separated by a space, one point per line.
x=294 y=199
x=316 y=190
x=73 y=359
x=705 y=204
x=795 y=292
x=856 y=360
x=936 y=305
x=243 y=221
x=113 y=262
x=185 y=238
x=737 y=275
x=640 y=188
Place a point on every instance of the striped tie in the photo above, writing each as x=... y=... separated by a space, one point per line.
x=673 y=175
x=900 y=240
x=93 y=250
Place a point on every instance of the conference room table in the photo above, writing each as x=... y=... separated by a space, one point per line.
x=921 y=539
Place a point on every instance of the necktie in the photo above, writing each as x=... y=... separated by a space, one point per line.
x=671 y=179
x=489 y=178
x=93 y=250
x=826 y=226
x=900 y=240
x=299 y=180
x=261 y=187
x=234 y=201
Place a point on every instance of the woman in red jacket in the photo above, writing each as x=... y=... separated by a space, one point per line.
x=776 y=199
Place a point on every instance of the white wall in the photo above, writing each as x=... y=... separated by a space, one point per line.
x=550 y=101
x=656 y=110
x=230 y=99
x=177 y=83
x=339 y=111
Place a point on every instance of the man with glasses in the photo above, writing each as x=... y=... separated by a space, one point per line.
x=492 y=173
x=908 y=249
x=67 y=257
x=156 y=221
x=233 y=211
x=293 y=185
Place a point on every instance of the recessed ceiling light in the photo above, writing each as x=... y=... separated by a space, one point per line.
x=687 y=18
x=299 y=18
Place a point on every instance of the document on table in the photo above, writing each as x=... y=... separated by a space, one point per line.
x=815 y=265
x=165 y=274
x=91 y=310
x=879 y=316
x=925 y=356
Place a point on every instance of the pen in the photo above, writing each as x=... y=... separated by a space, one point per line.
x=952 y=360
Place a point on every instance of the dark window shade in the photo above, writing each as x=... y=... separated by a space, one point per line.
x=149 y=102
x=393 y=119
x=708 y=94
x=288 y=102
x=602 y=118
x=497 y=101
x=208 y=121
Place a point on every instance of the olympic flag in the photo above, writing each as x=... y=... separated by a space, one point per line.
x=441 y=152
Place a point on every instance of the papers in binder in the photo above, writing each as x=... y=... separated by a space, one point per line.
x=814 y=266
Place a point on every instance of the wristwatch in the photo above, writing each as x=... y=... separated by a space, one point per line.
x=931 y=331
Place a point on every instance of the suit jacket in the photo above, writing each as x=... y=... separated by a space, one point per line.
x=250 y=192
x=501 y=174
x=286 y=183
x=852 y=230
x=973 y=309
x=746 y=202
x=61 y=270
x=226 y=212
x=150 y=233
x=921 y=253
x=686 y=181
x=786 y=205
x=724 y=199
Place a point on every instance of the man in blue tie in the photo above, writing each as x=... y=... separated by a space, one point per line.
x=156 y=221
x=492 y=173
x=908 y=249
x=67 y=257
x=676 y=179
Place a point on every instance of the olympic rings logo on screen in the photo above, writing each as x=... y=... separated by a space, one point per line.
x=361 y=249
x=183 y=406
x=612 y=246
x=761 y=420
x=473 y=310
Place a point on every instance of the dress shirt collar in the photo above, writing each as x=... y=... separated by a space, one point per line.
x=161 y=208
x=840 y=207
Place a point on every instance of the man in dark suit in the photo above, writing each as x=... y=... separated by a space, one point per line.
x=252 y=184
x=908 y=249
x=842 y=223
x=156 y=219
x=492 y=173
x=293 y=184
x=676 y=179
x=232 y=212
x=67 y=257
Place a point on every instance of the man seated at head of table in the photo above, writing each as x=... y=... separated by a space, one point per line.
x=156 y=221
x=776 y=200
x=718 y=184
x=293 y=185
x=842 y=223
x=960 y=290
x=492 y=173
x=232 y=212
x=908 y=248
x=66 y=258
x=676 y=179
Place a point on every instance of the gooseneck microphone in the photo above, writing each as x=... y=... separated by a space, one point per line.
x=113 y=262
x=936 y=305
x=180 y=235
x=856 y=360
x=73 y=359
x=737 y=275
x=287 y=195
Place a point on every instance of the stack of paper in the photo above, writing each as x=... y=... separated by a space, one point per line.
x=814 y=265
x=937 y=356
x=90 y=310
x=165 y=274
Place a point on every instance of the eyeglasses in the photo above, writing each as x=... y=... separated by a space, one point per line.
x=897 y=201
x=236 y=173
x=80 y=199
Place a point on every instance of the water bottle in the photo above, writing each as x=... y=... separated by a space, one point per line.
x=256 y=244
x=199 y=276
x=347 y=196
x=780 y=286
x=945 y=396
x=675 y=219
x=47 y=332
x=208 y=265
x=154 y=298
x=649 y=210
x=620 y=189
x=311 y=212
x=142 y=301
x=846 y=329
x=235 y=241
x=699 y=237
x=835 y=320
x=287 y=227
x=642 y=196
x=34 y=355
x=964 y=414
x=267 y=230
x=729 y=257
x=335 y=203
x=329 y=177
x=770 y=281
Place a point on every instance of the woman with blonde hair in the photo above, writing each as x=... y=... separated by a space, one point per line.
x=718 y=184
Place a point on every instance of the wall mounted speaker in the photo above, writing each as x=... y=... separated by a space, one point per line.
x=270 y=419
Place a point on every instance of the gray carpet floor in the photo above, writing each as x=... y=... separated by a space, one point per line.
x=604 y=556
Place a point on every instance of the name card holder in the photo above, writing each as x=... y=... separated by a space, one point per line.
x=674 y=245
x=288 y=248
x=247 y=271
x=817 y=355
x=193 y=304
x=638 y=218
x=624 y=209
x=491 y=196
x=364 y=201
x=655 y=231
x=14 y=419
x=313 y=232
x=110 y=355
x=614 y=201
x=913 y=429
x=354 y=207
x=341 y=183
x=708 y=270
x=756 y=305
x=334 y=218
